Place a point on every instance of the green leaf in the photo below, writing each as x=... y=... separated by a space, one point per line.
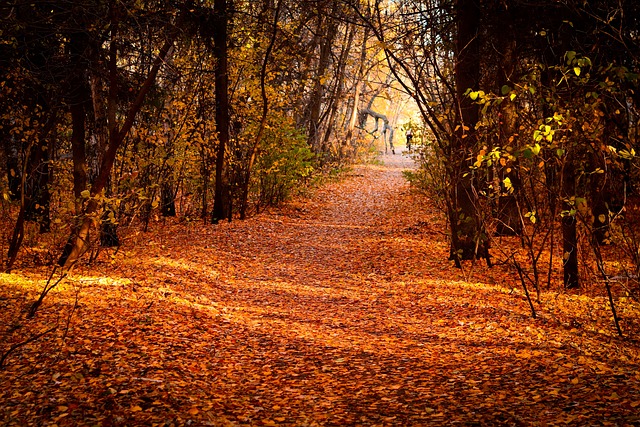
x=505 y=89
x=85 y=194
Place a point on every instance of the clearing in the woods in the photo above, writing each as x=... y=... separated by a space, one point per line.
x=340 y=309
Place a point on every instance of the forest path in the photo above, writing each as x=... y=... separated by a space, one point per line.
x=340 y=309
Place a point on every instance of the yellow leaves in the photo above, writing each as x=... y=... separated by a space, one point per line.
x=135 y=408
x=508 y=185
x=531 y=216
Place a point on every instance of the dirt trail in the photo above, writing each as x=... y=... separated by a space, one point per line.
x=337 y=310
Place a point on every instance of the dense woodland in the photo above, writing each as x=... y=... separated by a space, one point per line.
x=124 y=123
x=115 y=112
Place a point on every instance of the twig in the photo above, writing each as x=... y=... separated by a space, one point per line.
x=73 y=309
x=23 y=343
x=47 y=288
x=518 y=267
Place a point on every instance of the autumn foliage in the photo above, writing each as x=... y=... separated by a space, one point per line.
x=337 y=309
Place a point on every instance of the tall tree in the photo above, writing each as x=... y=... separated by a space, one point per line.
x=222 y=196
x=467 y=233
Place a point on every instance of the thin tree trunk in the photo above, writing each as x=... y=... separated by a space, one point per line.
x=353 y=119
x=263 y=120
x=569 y=230
x=339 y=88
x=221 y=200
x=327 y=28
x=80 y=96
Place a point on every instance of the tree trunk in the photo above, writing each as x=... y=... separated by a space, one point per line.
x=357 y=85
x=168 y=200
x=467 y=237
x=327 y=28
x=339 y=88
x=79 y=99
x=263 y=120
x=503 y=44
x=569 y=230
x=37 y=194
x=12 y=159
x=109 y=229
x=221 y=198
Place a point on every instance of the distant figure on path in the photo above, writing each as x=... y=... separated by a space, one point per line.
x=409 y=136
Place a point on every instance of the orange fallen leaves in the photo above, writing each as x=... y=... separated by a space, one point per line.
x=337 y=310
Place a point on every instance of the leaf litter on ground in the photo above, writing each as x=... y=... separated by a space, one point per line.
x=339 y=309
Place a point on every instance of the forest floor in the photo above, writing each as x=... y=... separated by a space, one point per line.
x=338 y=309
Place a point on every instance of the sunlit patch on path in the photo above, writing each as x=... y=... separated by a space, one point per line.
x=341 y=309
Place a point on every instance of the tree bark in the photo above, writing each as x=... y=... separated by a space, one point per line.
x=79 y=98
x=467 y=234
x=168 y=200
x=327 y=27
x=503 y=43
x=339 y=89
x=569 y=230
x=221 y=198
x=357 y=85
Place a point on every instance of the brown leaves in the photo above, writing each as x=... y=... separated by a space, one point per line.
x=345 y=312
